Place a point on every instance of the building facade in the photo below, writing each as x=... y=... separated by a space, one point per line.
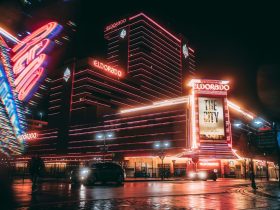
x=134 y=108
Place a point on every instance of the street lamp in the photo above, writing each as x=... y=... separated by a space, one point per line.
x=238 y=125
x=161 y=146
x=104 y=136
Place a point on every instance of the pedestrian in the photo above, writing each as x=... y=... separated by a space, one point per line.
x=36 y=168
x=253 y=183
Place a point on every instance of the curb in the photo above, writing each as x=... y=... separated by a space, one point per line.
x=154 y=180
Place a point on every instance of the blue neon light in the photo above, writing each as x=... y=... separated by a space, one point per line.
x=7 y=98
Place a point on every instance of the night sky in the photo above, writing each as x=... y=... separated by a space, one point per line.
x=235 y=41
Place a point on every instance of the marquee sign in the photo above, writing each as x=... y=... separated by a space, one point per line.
x=210 y=123
x=30 y=59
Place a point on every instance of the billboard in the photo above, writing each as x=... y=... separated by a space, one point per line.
x=211 y=118
x=210 y=124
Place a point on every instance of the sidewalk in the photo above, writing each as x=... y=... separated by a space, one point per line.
x=20 y=180
x=142 y=179
x=154 y=179
x=270 y=189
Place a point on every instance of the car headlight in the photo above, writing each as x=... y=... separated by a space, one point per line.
x=191 y=174
x=84 y=172
x=202 y=175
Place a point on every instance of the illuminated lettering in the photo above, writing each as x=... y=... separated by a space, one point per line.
x=107 y=68
x=209 y=164
x=114 y=25
x=206 y=86
x=28 y=136
x=29 y=59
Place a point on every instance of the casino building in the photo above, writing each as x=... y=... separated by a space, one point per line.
x=136 y=107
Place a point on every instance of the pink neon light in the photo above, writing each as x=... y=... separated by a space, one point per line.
x=191 y=49
x=133 y=17
x=29 y=59
x=23 y=92
x=29 y=70
x=35 y=37
x=209 y=163
x=28 y=136
x=107 y=68
x=114 y=25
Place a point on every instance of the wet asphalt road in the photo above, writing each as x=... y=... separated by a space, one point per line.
x=223 y=194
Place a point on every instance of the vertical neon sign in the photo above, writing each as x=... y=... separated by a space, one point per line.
x=12 y=120
x=30 y=59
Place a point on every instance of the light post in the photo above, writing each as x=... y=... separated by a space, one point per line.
x=238 y=125
x=160 y=146
x=104 y=136
x=249 y=143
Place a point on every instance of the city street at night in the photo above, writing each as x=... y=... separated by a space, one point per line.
x=145 y=105
x=222 y=194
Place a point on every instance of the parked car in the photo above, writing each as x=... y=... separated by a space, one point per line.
x=202 y=175
x=98 y=172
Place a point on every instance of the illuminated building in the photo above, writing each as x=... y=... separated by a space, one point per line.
x=131 y=96
x=152 y=55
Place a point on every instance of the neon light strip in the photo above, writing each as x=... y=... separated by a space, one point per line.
x=193 y=125
x=237 y=108
x=191 y=49
x=193 y=81
x=8 y=35
x=142 y=14
x=167 y=46
x=158 y=104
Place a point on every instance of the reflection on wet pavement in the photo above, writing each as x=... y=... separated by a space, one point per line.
x=224 y=194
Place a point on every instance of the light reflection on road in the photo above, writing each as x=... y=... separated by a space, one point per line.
x=206 y=194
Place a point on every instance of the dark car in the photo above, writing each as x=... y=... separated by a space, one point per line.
x=98 y=172
x=202 y=175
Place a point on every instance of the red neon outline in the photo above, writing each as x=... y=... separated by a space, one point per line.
x=107 y=68
x=191 y=49
x=26 y=58
x=154 y=22
x=32 y=80
x=36 y=36
x=29 y=70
